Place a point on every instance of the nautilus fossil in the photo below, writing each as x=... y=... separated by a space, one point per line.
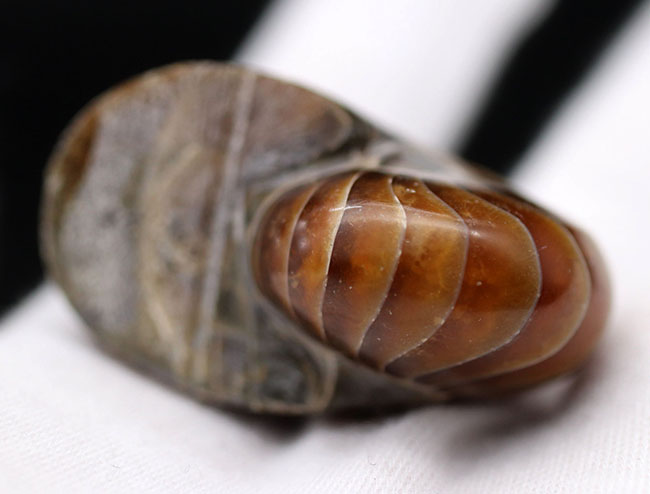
x=262 y=247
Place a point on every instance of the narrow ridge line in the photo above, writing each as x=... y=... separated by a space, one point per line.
x=220 y=212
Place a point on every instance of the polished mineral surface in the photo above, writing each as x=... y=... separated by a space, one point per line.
x=262 y=247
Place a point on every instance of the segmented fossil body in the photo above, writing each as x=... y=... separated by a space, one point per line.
x=265 y=248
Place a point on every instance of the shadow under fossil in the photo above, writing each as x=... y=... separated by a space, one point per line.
x=501 y=422
x=508 y=422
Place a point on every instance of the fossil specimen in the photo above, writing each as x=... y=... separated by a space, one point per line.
x=263 y=247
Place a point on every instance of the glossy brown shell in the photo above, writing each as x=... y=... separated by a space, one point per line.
x=470 y=290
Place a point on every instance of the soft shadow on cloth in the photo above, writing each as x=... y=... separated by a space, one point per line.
x=493 y=425
x=520 y=417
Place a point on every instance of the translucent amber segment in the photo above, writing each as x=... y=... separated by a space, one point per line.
x=560 y=309
x=271 y=264
x=428 y=276
x=500 y=288
x=311 y=249
x=577 y=349
x=364 y=257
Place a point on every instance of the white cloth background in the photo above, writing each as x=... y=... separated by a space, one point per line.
x=74 y=420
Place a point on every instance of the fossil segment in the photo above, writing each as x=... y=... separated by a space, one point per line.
x=501 y=284
x=264 y=248
x=271 y=264
x=364 y=257
x=311 y=248
x=574 y=352
x=559 y=311
x=428 y=276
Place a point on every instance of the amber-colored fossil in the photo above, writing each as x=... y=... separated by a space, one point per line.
x=263 y=247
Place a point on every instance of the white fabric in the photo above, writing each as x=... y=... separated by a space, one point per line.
x=73 y=419
x=418 y=67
